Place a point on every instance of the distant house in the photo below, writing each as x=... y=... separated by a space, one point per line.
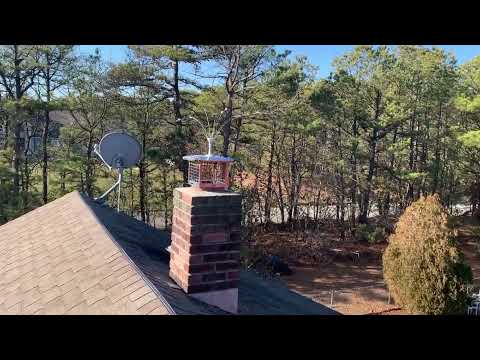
x=32 y=135
x=74 y=256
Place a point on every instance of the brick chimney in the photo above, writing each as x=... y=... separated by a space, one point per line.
x=205 y=247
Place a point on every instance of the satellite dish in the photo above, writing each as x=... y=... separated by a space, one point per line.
x=118 y=151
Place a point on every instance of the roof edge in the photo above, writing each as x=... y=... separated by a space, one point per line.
x=159 y=295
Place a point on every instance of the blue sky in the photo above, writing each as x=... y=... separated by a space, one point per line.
x=319 y=55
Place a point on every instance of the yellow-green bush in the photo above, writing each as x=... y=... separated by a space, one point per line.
x=424 y=270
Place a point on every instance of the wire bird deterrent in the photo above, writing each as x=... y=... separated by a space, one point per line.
x=211 y=172
x=208 y=171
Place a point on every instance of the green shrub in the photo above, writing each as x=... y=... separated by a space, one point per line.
x=370 y=234
x=378 y=235
x=423 y=269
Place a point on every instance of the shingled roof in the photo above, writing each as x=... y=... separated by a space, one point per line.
x=74 y=256
x=59 y=258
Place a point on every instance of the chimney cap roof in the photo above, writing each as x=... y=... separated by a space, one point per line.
x=213 y=158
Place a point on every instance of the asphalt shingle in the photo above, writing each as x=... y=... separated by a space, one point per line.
x=60 y=259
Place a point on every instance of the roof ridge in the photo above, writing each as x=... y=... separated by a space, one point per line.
x=127 y=257
x=120 y=214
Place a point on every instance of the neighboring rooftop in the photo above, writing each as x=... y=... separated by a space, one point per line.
x=73 y=256
x=63 y=117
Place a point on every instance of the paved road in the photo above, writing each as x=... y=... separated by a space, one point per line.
x=329 y=212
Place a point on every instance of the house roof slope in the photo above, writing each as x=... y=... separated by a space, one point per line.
x=147 y=245
x=60 y=259
x=75 y=256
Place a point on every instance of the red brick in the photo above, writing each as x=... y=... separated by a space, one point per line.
x=190 y=239
x=210 y=228
x=180 y=223
x=195 y=249
x=203 y=253
x=174 y=276
x=174 y=248
x=231 y=265
x=215 y=237
x=186 y=198
x=176 y=268
x=213 y=277
x=186 y=258
x=195 y=259
x=179 y=214
x=195 y=279
x=205 y=249
x=235 y=236
x=200 y=268
x=221 y=256
x=182 y=244
x=175 y=228
x=234 y=275
x=184 y=277
x=195 y=239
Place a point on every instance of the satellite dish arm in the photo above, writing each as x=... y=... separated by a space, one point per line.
x=111 y=189
x=95 y=150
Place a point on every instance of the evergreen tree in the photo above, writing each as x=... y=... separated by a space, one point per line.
x=424 y=270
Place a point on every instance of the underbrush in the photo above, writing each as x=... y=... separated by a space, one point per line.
x=467 y=227
x=311 y=247
x=371 y=234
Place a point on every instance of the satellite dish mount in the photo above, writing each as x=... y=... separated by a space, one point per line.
x=118 y=151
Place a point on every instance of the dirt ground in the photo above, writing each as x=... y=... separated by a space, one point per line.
x=354 y=285
x=349 y=287
x=469 y=243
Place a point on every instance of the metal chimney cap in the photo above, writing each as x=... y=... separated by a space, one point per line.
x=213 y=158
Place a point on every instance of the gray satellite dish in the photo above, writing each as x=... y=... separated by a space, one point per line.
x=118 y=151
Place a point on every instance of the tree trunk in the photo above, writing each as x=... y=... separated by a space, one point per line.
x=177 y=104
x=436 y=166
x=165 y=198
x=293 y=174
x=371 y=162
x=147 y=200
x=281 y=204
x=386 y=204
x=240 y=119
x=353 y=190
x=45 y=140
x=82 y=182
x=62 y=181
x=89 y=169
x=45 y=156
x=411 y=161
x=268 y=194
x=26 y=173
x=18 y=123
x=6 y=132
x=141 y=175
x=227 y=125
x=17 y=152
x=132 y=213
